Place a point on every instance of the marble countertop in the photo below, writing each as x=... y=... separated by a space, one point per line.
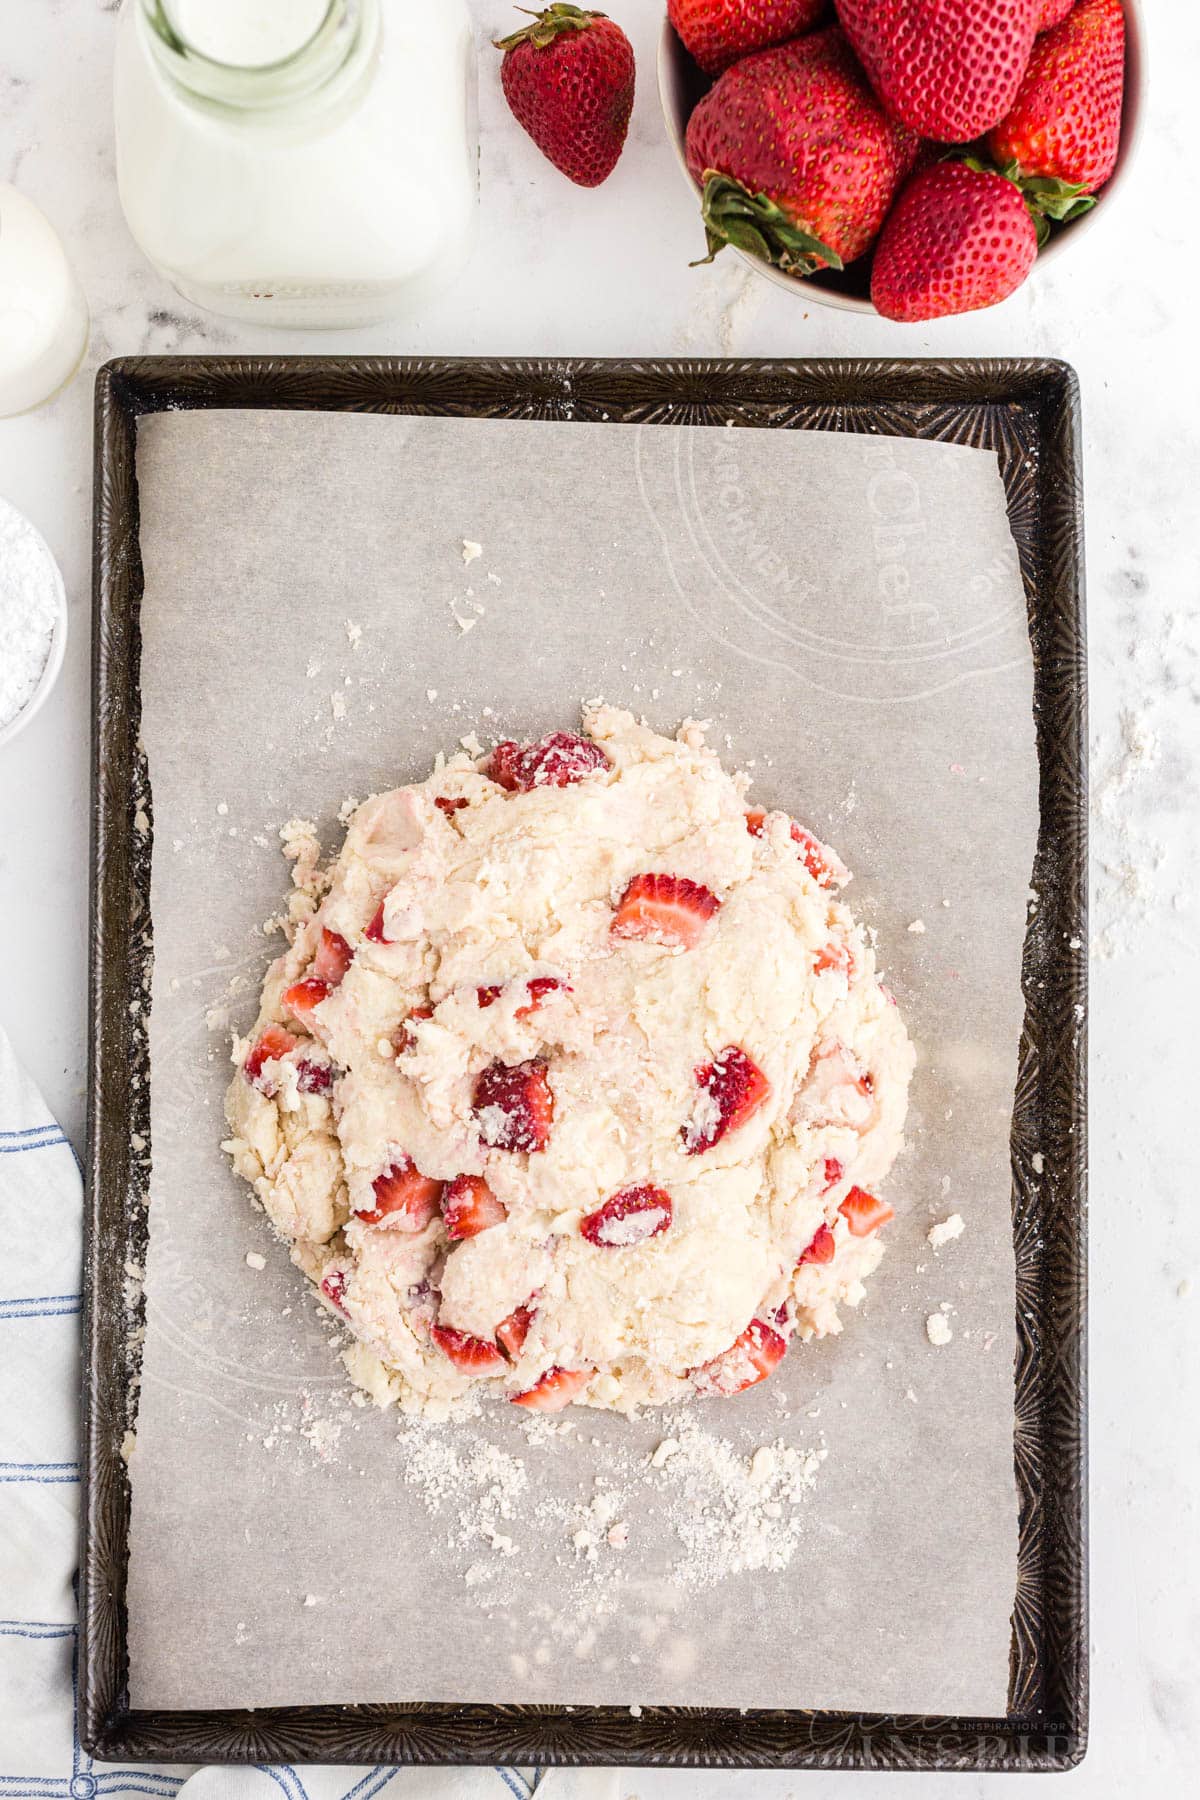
x=562 y=271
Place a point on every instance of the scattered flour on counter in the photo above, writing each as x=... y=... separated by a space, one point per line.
x=937 y=1329
x=946 y=1232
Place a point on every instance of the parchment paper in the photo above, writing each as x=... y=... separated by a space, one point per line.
x=848 y=613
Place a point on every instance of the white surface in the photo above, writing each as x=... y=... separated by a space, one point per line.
x=43 y=319
x=562 y=271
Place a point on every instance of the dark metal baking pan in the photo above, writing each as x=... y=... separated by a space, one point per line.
x=1028 y=412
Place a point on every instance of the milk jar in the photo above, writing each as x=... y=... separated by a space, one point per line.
x=299 y=162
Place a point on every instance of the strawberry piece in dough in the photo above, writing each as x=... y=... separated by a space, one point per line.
x=812 y=852
x=863 y=1213
x=630 y=1217
x=333 y=1286
x=732 y=1087
x=747 y=1361
x=665 y=909
x=469 y=1207
x=553 y=1390
x=333 y=958
x=450 y=807
x=555 y=761
x=512 y=1332
x=403 y=1196
x=303 y=997
x=514 y=1106
x=405 y=1039
x=374 y=933
x=272 y=1045
x=821 y=1250
x=465 y=1352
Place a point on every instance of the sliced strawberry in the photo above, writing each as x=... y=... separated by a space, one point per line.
x=553 y=1390
x=449 y=807
x=863 y=1213
x=403 y=1195
x=405 y=1038
x=834 y=956
x=313 y=1077
x=821 y=1249
x=512 y=1332
x=539 y=986
x=274 y=1043
x=374 y=933
x=469 y=1353
x=747 y=1361
x=304 y=996
x=514 y=1106
x=488 y=996
x=664 y=909
x=812 y=853
x=333 y=1286
x=834 y=1171
x=555 y=761
x=333 y=958
x=469 y=1207
x=732 y=1088
x=630 y=1217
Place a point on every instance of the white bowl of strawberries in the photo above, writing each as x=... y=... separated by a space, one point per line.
x=910 y=158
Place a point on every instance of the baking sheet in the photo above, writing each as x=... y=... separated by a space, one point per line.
x=848 y=612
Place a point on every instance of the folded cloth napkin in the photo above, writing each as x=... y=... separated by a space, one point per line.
x=41 y=1211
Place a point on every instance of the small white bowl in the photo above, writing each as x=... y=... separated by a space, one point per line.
x=58 y=643
x=680 y=85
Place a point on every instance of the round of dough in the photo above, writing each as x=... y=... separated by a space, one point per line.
x=576 y=1083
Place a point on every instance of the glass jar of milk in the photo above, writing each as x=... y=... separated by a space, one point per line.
x=299 y=162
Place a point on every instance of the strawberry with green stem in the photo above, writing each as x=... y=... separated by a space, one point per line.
x=569 y=80
x=1064 y=125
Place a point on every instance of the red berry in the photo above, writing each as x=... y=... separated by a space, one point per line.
x=405 y=1039
x=569 y=79
x=749 y=1360
x=957 y=239
x=1065 y=121
x=403 y=1195
x=559 y=760
x=333 y=1286
x=469 y=1207
x=514 y=1105
x=834 y=1171
x=333 y=958
x=947 y=68
x=719 y=32
x=821 y=1249
x=313 y=1077
x=450 y=807
x=273 y=1045
x=812 y=853
x=303 y=997
x=630 y=1217
x=374 y=933
x=863 y=1213
x=512 y=1332
x=732 y=1087
x=664 y=909
x=554 y=1390
x=469 y=1353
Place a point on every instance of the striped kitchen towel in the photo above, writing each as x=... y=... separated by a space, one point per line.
x=41 y=1209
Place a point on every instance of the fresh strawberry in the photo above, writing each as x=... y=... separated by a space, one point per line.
x=470 y=1353
x=949 y=69
x=569 y=79
x=1064 y=125
x=559 y=760
x=630 y=1217
x=834 y=1172
x=313 y=1077
x=333 y=958
x=514 y=1106
x=512 y=1332
x=798 y=161
x=719 y=32
x=821 y=1249
x=747 y=1361
x=553 y=1390
x=732 y=1088
x=403 y=1195
x=374 y=933
x=958 y=238
x=863 y=1213
x=450 y=807
x=273 y=1044
x=835 y=957
x=303 y=997
x=665 y=909
x=333 y=1286
x=816 y=859
x=405 y=1039
x=469 y=1207
x=1053 y=13
x=488 y=996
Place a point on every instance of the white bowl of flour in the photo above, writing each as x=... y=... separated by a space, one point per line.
x=33 y=621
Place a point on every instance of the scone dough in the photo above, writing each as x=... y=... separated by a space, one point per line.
x=637 y=1021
